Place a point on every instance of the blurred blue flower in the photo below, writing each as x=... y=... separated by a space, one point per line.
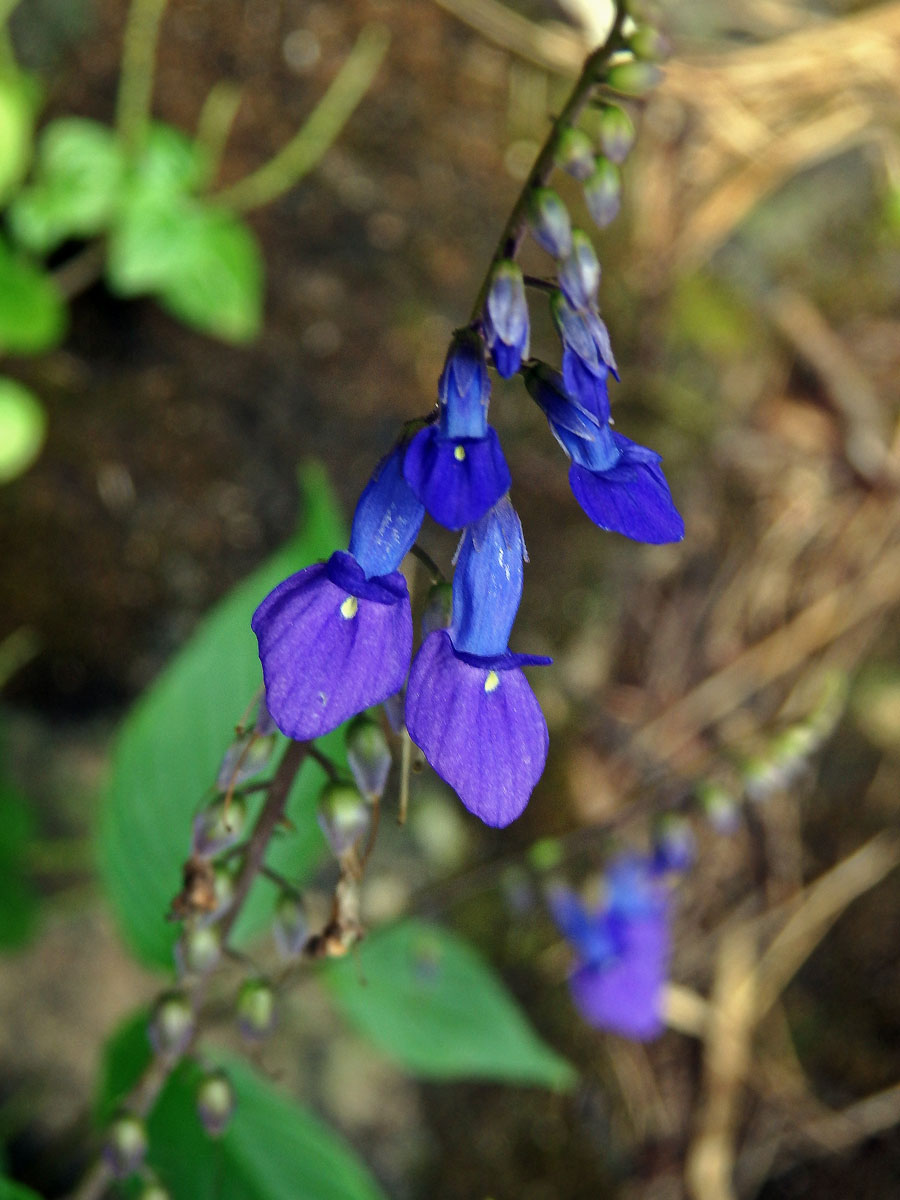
x=622 y=950
x=336 y=637
x=456 y=468
x=468 y=705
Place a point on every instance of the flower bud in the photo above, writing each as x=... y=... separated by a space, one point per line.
x=674 y=844
x=579 y=274
x=215 y=1102
x=395 y=711
x=153 y=1190
x=198 y=950
x=125 y=1145
x=649 y=44
x=171 y=1024
x=343 y=816
x=243 y=759
x=255 y=1009
x=290 y=928
x=616 y=133
x=575 y=154
x=603 y=193
x=634 y=78
x=368 y=756
x=438 y=609
x=550 y=223
x=720 y=808
x=216 y=829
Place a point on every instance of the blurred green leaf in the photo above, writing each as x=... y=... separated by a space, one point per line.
x=432 y=1004
x=708 y=314
x=169 y=164
x=77 y=184
x=170 y=746
x=32 y=312
x=17 y=111
x=22 y=427
x=18 y=896
x=16 y=1191
x=272 y=1149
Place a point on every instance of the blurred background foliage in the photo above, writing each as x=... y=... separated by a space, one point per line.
x=751 y=287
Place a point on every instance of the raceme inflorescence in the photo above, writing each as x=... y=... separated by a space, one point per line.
x=337 y=637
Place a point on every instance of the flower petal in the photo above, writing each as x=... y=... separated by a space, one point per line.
x=631 y=498
x=457 y=479
x=327 y=653
x=625 y=996
x=483 y=731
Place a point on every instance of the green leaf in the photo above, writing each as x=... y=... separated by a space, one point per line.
x=201 y=262
x=22 y=427
x=272 y=1149
x=78 y=178
x=432 y=1004
x=17 y=108
x=32 y=312
x=170 y=746
x=16 y=1191
x=169 y=164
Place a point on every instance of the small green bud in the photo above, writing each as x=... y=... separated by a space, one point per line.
x=217 y=828
x=649 y=44
x=171 y=1024
x=343 y=816
x=215 y=1102
x=575 y=153
x=616 y=133
x=368 y=755
x=603 y=192
x=438 y=608
x=125 y=1145
x=198 y=949
x=633 y=78
x=255 y=1009
x=290 y=928
x=550 y=223
x=720 y=807
x=244 y=758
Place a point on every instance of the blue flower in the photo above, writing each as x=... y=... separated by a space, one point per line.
x=336 y=637
x=622 y=950
x=619 y=484
x=456 y=468
x=579 y=274
x=468 y=705
x=506 y=322
x=584 y=336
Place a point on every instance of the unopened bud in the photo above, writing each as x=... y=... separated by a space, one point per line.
x=674 y=844
x=290 y=928
x=575 y=153
x=343 y=816
x=125 y=1145
x=438 y=608
x=720 y=808
x=264 y=724
x=255 y=1009
x=616 y=133
x=368 y=756
x=649 y=44
x=171 y=1024
x=579 y=274
x=154 y=1191
x=395 y=711
x=217 y=827
x=633 y=78
x=550 y=223
x=243 y=759
x=198 y=950
x=215 y=1102
x=603 y=192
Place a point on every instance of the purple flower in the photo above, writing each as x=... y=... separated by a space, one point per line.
x=336 y=637
x=618 y=483
x=456 y=468
x=506 y=320
x=622 y=950
x=468 y=705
